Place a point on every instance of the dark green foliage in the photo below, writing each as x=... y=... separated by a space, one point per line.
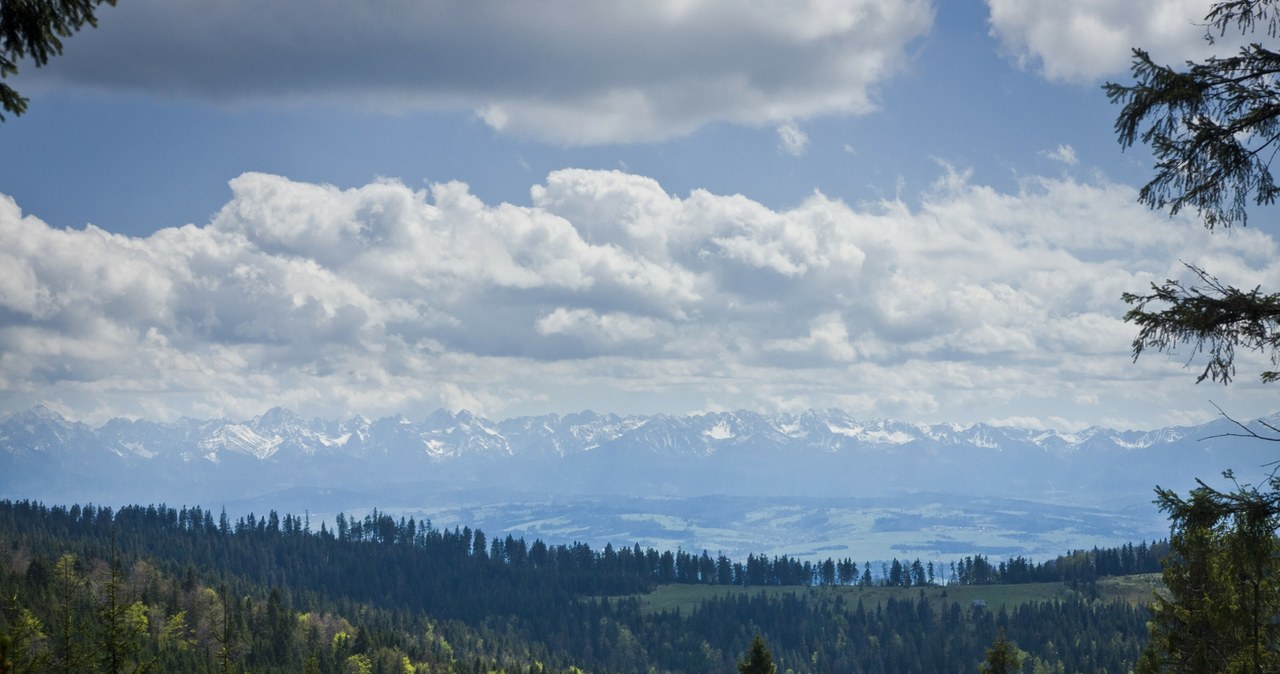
x=34 y=29
x=758 y=659
x=1213 y=317
x=266 y=595
x=1211 y=126
x=1222 y=606
x=122 y=626
x=1214 y=128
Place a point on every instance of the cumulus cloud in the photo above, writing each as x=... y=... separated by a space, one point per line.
x=561 y=70
x=1087 y=39
x=606 y=291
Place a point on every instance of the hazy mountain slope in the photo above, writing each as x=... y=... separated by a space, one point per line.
x=818 y=453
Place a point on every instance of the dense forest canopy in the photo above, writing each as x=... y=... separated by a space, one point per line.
x=188 y=590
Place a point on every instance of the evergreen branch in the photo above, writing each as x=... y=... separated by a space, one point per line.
x=1212 y=317
x=1245 y=14
x=34 y=29
x=1207 y=125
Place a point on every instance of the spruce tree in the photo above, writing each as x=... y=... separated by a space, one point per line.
x=758 y=659
x=1002 y=657
x=1222 y=582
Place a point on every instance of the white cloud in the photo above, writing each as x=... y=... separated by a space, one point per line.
x=1018 y=422
x=609 y=292
x=828 y=339
x=1063 y=153
x=611 y=328
x=560 y=70
x=792 y=140
x=1084 y=40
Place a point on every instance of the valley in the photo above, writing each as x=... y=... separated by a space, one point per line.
x=810 y=485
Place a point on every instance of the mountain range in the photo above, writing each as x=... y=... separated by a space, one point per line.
x=817 y=453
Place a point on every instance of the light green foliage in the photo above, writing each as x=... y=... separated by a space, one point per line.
x=1039 y=666
x=438 y=644
x=358 y=664
x=1002 y=657
x=176 y=633
x=123 y=626
x=25 y=639
x=135 y=618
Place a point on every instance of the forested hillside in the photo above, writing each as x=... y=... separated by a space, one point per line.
x=159 y=589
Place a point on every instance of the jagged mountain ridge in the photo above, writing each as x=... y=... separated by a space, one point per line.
x=817 y=452
x=444 y=435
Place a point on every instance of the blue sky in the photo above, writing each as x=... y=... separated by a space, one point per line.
x=910 y=209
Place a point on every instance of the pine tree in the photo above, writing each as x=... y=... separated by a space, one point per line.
x=1002 y=657
x=122 y=624
x=1223 y=585
x=23 y=639
x=224 y=633
x=68 y=587
x=758 y=659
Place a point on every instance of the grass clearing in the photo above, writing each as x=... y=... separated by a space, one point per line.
x=1134 y=590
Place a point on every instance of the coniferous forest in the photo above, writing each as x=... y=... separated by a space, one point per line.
x=89 y=589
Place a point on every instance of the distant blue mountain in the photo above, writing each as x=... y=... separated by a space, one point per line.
x=817 y=453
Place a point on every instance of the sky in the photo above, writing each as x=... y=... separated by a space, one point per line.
x=899 y=208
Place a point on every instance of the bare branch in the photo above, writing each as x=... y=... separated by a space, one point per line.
x=1248 y=432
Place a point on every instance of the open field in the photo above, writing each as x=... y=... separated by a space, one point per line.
x=930 y=527
x=1132 y=589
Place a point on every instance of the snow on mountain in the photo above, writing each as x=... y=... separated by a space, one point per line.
x=241 y=439
x=41 y=429
x=812 y=453
x=720 y=431
x=444 y=435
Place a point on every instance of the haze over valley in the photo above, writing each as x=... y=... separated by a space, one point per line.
x=811 y=485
